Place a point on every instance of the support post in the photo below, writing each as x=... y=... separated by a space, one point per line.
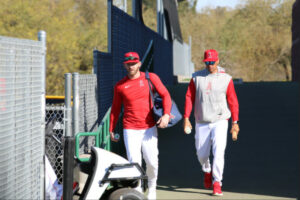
x=109 y=22
x=75 y=110
x=42 y=39
x=68 y=167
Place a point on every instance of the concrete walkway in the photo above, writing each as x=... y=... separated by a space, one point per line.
x=165 y=192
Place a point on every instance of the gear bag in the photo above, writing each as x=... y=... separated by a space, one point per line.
x=175 y=115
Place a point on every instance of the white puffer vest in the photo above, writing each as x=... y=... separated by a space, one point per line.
x=210 y=99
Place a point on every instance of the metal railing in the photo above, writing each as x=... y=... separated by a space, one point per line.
x=102 y=138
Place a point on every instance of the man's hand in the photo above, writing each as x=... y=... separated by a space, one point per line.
x=112 y=137
x=187 y=125
x=235 y=128
x=163 y=121
x=234 y=131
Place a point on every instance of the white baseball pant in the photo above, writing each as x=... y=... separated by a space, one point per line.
x=145 y=141
x=212 y=135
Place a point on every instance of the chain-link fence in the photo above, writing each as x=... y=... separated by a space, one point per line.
x=88 y=109
x=21 y=118
x=88 y=122
x=88 y=106
x=54 y=137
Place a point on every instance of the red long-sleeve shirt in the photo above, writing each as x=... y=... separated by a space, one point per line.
x=135 y=97
x=230 y=95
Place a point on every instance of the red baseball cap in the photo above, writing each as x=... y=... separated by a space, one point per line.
x=131 y=57
x=210 y=55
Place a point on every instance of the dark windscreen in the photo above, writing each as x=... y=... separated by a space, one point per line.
x=172 y=19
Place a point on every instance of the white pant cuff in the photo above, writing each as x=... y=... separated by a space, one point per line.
x=151 y=194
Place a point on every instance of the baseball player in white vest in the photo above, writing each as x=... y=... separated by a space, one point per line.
x=211 y=92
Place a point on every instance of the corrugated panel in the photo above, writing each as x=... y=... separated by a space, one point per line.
x=21 y=138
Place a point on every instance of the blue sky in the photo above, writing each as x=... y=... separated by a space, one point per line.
x=214 y=3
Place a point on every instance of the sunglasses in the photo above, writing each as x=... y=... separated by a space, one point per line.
x=210 y=62
x=131 y=58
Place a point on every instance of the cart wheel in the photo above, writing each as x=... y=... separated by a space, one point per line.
x=126 y=194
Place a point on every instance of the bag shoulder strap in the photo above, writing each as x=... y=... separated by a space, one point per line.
x=147 y=75
x=150 y=83
x=149 y=80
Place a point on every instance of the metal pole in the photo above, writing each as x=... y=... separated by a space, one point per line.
x=160 y=18
x=133 y=6
x=42 y=39
x=190 y=55
x=95 y=60
x=75 y=113
x=68 y=167
x=109 y=22
x=125 y=5
x=158 y=8
x=67 y=114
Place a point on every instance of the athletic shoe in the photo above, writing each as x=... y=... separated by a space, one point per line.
x=207 y=180
x=217 y=189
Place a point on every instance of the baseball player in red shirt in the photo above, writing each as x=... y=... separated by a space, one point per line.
x=140 y=132
x=211 y=92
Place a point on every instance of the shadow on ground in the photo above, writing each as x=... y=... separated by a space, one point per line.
x=263 y=161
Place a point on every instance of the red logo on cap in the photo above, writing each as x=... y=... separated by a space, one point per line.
x=209 y=54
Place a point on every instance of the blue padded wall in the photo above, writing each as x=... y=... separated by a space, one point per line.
x=128 y=34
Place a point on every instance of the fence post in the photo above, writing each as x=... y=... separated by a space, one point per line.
x=109 y=22
x=95 y=62
x=190 y=56
x=158 y=17
x=68 y=167
x=67 y=114
x=125 y=6
x=75 y=111
x=42 y=39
